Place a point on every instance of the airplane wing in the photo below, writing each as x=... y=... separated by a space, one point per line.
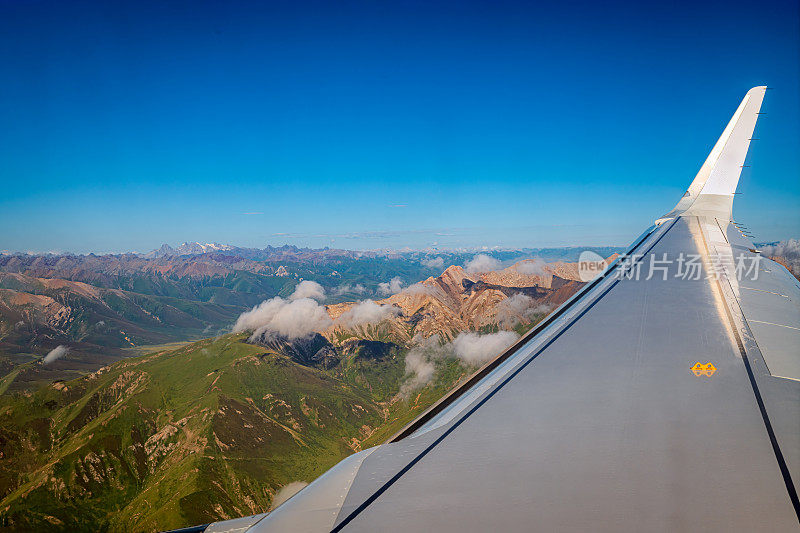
x=664 y=396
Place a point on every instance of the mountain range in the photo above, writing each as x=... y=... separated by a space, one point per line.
x=216 y=428
x=188 y=248
x=457 y=301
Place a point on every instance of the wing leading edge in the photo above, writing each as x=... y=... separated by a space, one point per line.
x=601 y=418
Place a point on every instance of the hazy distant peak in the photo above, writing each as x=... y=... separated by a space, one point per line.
x=188 y=248
x=165 y=251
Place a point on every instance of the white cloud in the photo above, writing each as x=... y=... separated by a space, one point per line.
x=349 y=289
x=531 y=267
x=420 y=366
x=421 y=370
x=436 y=262
x=308 y=289
x=482 y=263
x=392 y=286
x=367 y=312
x=56 y=353
x=422 y=288
x=518 y=307
x=287 y=491
x=475 y=349
x=292 y=319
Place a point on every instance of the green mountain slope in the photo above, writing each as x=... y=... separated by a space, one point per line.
x=205 y=432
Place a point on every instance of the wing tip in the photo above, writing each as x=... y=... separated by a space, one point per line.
x=713 y=188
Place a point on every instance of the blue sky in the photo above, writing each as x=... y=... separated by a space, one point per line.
x=371 y=125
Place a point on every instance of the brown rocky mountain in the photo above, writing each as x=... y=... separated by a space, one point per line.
x=457 y=301
x=39 y=312
x=97 y=324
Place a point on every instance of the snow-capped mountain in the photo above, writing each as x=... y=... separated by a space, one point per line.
x=189 y=248
x=196 y=248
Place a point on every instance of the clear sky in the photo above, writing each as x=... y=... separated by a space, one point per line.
x=383 y=124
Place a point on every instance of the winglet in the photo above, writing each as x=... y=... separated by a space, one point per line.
x=711 y=192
